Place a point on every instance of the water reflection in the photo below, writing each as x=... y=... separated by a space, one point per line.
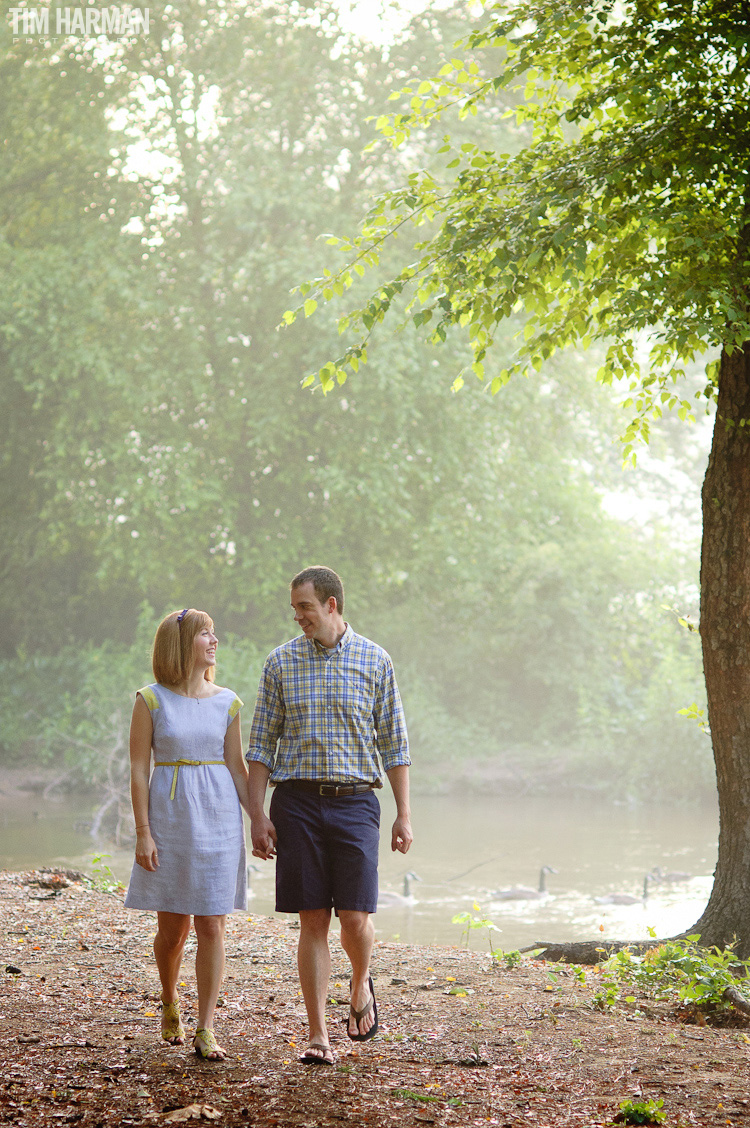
x=468 y=848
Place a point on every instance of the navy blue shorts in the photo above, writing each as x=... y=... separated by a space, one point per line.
x=327 y=850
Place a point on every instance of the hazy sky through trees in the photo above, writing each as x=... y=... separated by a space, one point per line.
x=159 y=451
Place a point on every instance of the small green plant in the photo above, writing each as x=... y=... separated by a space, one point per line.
x=102 y=879
x=641 y=1112
x=678 y=969
x=510 y=959
x=606 y=997
x=472 y=922
x=410 y=1095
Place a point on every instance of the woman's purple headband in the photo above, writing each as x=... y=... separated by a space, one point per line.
x=182 y=615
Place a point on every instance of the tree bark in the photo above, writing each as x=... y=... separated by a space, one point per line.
x=725 y=634
x=587 y=952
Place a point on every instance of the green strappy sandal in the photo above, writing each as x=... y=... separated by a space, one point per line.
x=172 y=1030
x=205 y=1044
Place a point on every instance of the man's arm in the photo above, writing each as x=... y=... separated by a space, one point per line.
x=268 y=718
x=267 y=727
x=262 y=830
x=401 y=834
x=393 y=746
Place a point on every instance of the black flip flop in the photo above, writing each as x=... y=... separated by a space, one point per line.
x=359 y=1015
x=315 y=1059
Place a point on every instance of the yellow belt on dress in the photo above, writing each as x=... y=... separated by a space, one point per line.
x=177 y=764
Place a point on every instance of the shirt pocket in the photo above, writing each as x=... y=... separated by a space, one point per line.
x=352 y=695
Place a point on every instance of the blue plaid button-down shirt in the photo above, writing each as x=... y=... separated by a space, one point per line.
x=326 y=714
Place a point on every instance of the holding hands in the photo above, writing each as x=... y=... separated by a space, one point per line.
x=263 y=834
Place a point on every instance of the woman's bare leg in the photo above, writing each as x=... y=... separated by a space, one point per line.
x=209 y=965
x=169 y=944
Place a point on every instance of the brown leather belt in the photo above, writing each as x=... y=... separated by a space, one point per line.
x=328 y=790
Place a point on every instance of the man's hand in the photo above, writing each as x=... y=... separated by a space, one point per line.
x=401 y=835
x=263 y=834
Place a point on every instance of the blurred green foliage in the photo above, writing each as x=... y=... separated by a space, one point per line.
x=158 y=452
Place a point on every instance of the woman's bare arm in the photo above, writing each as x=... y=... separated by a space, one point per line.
x=235 y=761
x=141 y=735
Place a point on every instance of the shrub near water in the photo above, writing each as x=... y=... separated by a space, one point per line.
x=677 y=969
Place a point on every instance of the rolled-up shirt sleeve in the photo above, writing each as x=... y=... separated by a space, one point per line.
x=268 y=719
x=389 y=720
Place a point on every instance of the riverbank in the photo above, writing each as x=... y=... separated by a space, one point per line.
x=461 y=1043
x=22 y=784
x=510 y=776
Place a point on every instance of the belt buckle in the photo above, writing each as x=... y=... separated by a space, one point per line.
x=329 y=789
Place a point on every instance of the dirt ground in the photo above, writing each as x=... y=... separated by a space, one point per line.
x=461 y=1042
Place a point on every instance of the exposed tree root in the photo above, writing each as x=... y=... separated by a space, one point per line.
x=738 y=1000
x=586 y=951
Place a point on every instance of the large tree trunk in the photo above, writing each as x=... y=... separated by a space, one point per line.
x=725 y=632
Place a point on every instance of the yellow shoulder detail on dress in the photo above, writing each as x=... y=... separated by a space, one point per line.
x=235 y=707
x=149 y=697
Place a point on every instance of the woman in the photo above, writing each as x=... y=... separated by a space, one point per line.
x=190 y=839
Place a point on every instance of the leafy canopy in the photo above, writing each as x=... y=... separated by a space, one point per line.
x=624 y=218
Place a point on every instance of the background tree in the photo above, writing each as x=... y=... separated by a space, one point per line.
x=66 y=307
x=161 y=453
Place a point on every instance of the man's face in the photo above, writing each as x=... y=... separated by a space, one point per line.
x=315 y=618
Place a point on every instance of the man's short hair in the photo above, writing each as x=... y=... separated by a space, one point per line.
x=326 y=583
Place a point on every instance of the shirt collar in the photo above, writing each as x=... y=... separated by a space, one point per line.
x=342 y=644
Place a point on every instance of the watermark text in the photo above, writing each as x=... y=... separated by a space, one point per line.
x=114 y=22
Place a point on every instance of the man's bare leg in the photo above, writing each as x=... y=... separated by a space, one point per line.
x=357 y=939
x=314 y=965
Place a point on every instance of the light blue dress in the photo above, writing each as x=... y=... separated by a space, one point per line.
x=194 y=811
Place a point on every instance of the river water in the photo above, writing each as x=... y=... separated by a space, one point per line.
x=465 y=849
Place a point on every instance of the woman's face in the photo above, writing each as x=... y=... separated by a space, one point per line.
x=204 y=648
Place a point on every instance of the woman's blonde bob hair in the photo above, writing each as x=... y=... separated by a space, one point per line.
x=172 y=655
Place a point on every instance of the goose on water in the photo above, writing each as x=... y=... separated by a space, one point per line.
x=672 y=876
x=251 y=869
x=387 y=897
x=626 y=898
x=525 y=892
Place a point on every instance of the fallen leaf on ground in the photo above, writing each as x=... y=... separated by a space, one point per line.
x=192 y=1112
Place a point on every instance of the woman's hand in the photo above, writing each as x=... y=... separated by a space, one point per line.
x=146 y=853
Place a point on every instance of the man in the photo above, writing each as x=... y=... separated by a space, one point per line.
x=327 y=705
